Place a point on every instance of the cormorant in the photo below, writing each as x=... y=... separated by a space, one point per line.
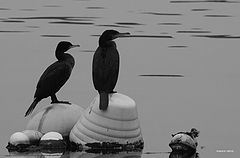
x=105 y=66
x=55 y=76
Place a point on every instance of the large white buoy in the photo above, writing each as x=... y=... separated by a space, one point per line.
x=119 y=123
x=56 y=117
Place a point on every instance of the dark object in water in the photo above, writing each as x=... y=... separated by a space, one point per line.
x=184 y=141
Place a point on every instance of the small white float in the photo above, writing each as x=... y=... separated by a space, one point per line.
x=118 y=125
x=56 y=117
x=25 y=137
x=52 y=140
x=19 y=141
x=184 y=141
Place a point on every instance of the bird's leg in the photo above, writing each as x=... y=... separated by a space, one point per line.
x=55 y=100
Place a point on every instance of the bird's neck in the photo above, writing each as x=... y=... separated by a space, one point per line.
x=68 y=58
x=106 y=44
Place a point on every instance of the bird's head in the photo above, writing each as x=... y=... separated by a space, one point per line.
x=64 y=46
x=109 y=35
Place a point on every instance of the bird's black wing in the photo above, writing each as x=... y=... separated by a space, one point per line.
x=52 y=79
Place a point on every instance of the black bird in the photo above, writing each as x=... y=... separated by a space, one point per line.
x=55 y=76
x=105 y=66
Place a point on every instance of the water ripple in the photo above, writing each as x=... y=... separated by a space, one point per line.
x=68 y=22
x=28 y=10
x=177 y=46
x=169 y=23
x=55 y=36
x=55 y=18
x=218 y=16
x=13 y=21
x=4 y=8
x=128 y=23
x=161 y=75
x=12 y=31
x=112 y=25
x=165 y=14
x=218 y=36
x=52 y=6
x=193 y=31
x=205 y=1
x=95 y=8
x=143 y=36
x=200 y=9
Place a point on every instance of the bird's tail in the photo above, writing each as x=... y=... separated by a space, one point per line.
x=103 y=104
x=32 y=106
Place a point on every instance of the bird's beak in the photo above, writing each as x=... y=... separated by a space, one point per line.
x=126 y=34
x=73 y=46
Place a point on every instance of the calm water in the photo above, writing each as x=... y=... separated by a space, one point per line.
x=189 y=80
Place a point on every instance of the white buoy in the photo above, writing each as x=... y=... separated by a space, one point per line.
x=56 y=117
x=119 y=123
x=52 y=136
x=19 y=138
x=26 y=137
x=52 y=140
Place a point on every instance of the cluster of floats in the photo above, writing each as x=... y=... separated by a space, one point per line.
x=109 y=123
x=60 y=127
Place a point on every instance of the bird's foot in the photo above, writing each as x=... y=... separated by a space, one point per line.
x=61 y=102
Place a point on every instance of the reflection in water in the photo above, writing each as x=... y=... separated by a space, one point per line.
x=109 y=155
x=25 y=154
x=183 y=155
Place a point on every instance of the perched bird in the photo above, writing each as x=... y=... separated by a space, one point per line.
x=55 y=76
x=105 y=66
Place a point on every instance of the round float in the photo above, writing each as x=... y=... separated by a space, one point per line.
x=118 y=124
x=53 y=140
x=56 y=117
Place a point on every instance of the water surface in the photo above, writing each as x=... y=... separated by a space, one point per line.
x=181 y=65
